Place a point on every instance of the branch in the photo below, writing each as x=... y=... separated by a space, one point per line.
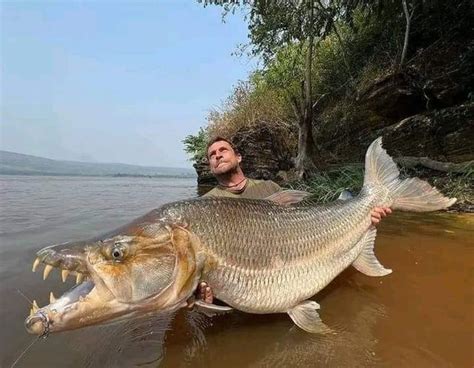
x=296 y=108
x=407 y=31
x=410 y=162
x=319 y=101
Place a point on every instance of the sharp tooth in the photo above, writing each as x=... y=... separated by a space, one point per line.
x=35 y=306
x=31 y=312
x=35 y=264
x=64 y=275
x=52 y=298
x=79 y=278
x=46 y=271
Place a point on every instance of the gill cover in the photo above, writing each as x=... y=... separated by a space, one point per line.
x=189 y=263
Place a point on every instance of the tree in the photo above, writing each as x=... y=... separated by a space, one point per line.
x=195 y=145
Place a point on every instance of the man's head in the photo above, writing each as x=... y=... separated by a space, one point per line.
x=223 y=157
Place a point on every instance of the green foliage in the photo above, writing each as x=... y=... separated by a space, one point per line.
x=195 y=145
x=351 y=57
x=284 y=73
x=460 y=186
x=327 y=186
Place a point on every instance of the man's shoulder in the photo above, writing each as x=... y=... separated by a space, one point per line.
x=255 y=189
x=259 y=189
x=216 y=192
x=267 y=183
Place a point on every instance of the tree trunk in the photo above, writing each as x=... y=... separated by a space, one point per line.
x=407 y=32
x=304 y=160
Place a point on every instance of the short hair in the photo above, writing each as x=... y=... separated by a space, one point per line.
x=219 y=139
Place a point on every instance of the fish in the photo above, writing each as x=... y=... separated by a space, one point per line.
x=258 y=256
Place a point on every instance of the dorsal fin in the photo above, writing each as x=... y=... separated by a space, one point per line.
x=345 y=195
x=288 y=197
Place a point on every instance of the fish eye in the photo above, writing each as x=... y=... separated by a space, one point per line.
x=117 y=254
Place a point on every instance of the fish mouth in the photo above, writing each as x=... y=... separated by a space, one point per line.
x=70 y=260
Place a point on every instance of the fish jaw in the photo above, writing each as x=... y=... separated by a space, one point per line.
x=81 y=306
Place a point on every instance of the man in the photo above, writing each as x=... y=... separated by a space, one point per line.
x=224 y=162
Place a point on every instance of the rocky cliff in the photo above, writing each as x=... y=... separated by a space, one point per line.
x=424 y=110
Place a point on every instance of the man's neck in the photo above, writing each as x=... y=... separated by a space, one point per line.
x=234 y=181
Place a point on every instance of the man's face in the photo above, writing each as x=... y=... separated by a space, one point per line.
x=222 y=158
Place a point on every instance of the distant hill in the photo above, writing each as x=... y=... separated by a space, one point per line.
x=19 y=164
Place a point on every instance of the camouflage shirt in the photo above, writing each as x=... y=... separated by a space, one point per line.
x=254 y=189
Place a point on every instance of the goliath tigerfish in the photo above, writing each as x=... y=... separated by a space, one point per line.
x=258 y=256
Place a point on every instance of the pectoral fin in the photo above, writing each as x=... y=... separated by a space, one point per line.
x=367 y=263
x=211 y=310
x=305 y=316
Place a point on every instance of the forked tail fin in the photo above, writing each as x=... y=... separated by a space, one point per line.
x=413 y=194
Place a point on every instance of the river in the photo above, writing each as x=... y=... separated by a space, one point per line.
x=421 y=315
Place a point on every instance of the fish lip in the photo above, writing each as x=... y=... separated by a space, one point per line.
x=50 y=318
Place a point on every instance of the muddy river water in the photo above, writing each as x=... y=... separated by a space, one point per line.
x=422 y=315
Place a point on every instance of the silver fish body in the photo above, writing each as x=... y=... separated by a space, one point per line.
x=268 y=257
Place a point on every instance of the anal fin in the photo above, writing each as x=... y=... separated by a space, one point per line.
x=306 y=317
x=367 y=262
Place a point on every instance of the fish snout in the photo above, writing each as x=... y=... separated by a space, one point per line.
x=68 y=258
x=37 y=324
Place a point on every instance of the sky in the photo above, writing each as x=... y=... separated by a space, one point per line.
x=114 y=81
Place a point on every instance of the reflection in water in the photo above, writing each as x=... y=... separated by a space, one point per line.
x=141 y=341
x=138 y=342
x=354 y=344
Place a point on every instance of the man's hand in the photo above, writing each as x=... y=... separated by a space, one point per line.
x=378 y=213
x=204 y=293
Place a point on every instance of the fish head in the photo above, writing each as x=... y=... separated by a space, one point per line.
x=120 y=277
